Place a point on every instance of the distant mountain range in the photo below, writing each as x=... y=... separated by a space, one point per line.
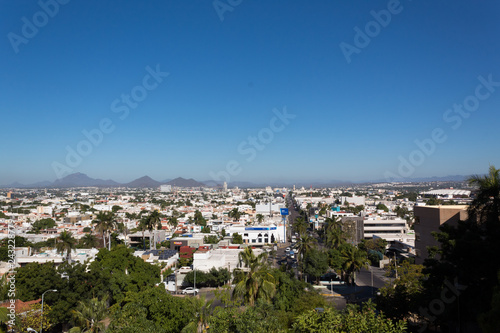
x=82 y=180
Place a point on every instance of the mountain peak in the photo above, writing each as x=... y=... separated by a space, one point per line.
x=144 y=181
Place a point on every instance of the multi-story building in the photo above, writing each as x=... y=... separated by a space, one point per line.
x=428 y=219
x=390 y=228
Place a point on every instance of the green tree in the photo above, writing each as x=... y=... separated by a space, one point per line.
x=42 y=224
x=353 y=260
x=66 y=243
x=235 y=214
x=88 y=241
x=402 y=297
x=237 y=238
x=460 y=260
x=315 y=263
x=199 y=219
x=90 y=315
x=104 y=222
x=255 y=281
x=259 y=218
x=203 y=312
x=153 y=222
x=211 y=239
x=152 y=308
x=33 y=318
x=116 y=208
x=300 y=226
x=485 y=207
x=305 y=244
x=352 y=319
x=383 y=207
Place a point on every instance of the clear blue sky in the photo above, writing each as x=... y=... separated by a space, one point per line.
x=353 y=120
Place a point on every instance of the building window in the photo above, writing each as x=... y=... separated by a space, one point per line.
x=260 y=240
x=254 y=241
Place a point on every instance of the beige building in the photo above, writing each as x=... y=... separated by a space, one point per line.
x=429 y=219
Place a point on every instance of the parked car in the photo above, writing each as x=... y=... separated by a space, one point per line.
x=191 y=291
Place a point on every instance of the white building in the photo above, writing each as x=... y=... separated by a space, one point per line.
x=219 y=258
x=389 y=228
x=259 y=235
x=353 y=201
x=165 y=188
x=266 y=209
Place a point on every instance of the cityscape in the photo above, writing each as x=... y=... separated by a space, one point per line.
x=250 y=166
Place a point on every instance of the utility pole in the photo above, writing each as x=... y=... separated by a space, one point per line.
x=395 y=265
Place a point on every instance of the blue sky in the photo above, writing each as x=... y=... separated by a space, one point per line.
x=352 y=120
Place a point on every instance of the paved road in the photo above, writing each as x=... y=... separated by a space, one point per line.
x=364 y=277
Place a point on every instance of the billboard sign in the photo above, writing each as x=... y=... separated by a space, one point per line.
x=284 y=211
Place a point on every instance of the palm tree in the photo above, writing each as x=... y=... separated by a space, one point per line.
x=66 y=242
x=173 y=221
x=485 y=208
x=203 y=312
x=235 y=214
x=260 y=218
x=300 y=226
x=353 y=260
x=105 y=222
x=143 y=226
x=89 y=315
x=155 y=221
x=255 y=281
x=151 y=222
x=89 y=240
x=305 y=244
x=333 y=233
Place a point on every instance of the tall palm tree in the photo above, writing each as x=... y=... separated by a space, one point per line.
x=305 y=244
x=66 y=242
x=143 y=226
x=485 y=208
x=300 y=226
x=260 y=218
x=333 y=233
x=152 y=222
x=255 y=281
x=90 y=314
x=89 y=240
x=203 y=312
x=235 y=214
x=155 y=220
x=105 y=222
x=353 y=260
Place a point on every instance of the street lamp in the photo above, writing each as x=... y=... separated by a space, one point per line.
x=41 y=321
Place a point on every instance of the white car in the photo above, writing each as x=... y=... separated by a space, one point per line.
x=190 y=291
